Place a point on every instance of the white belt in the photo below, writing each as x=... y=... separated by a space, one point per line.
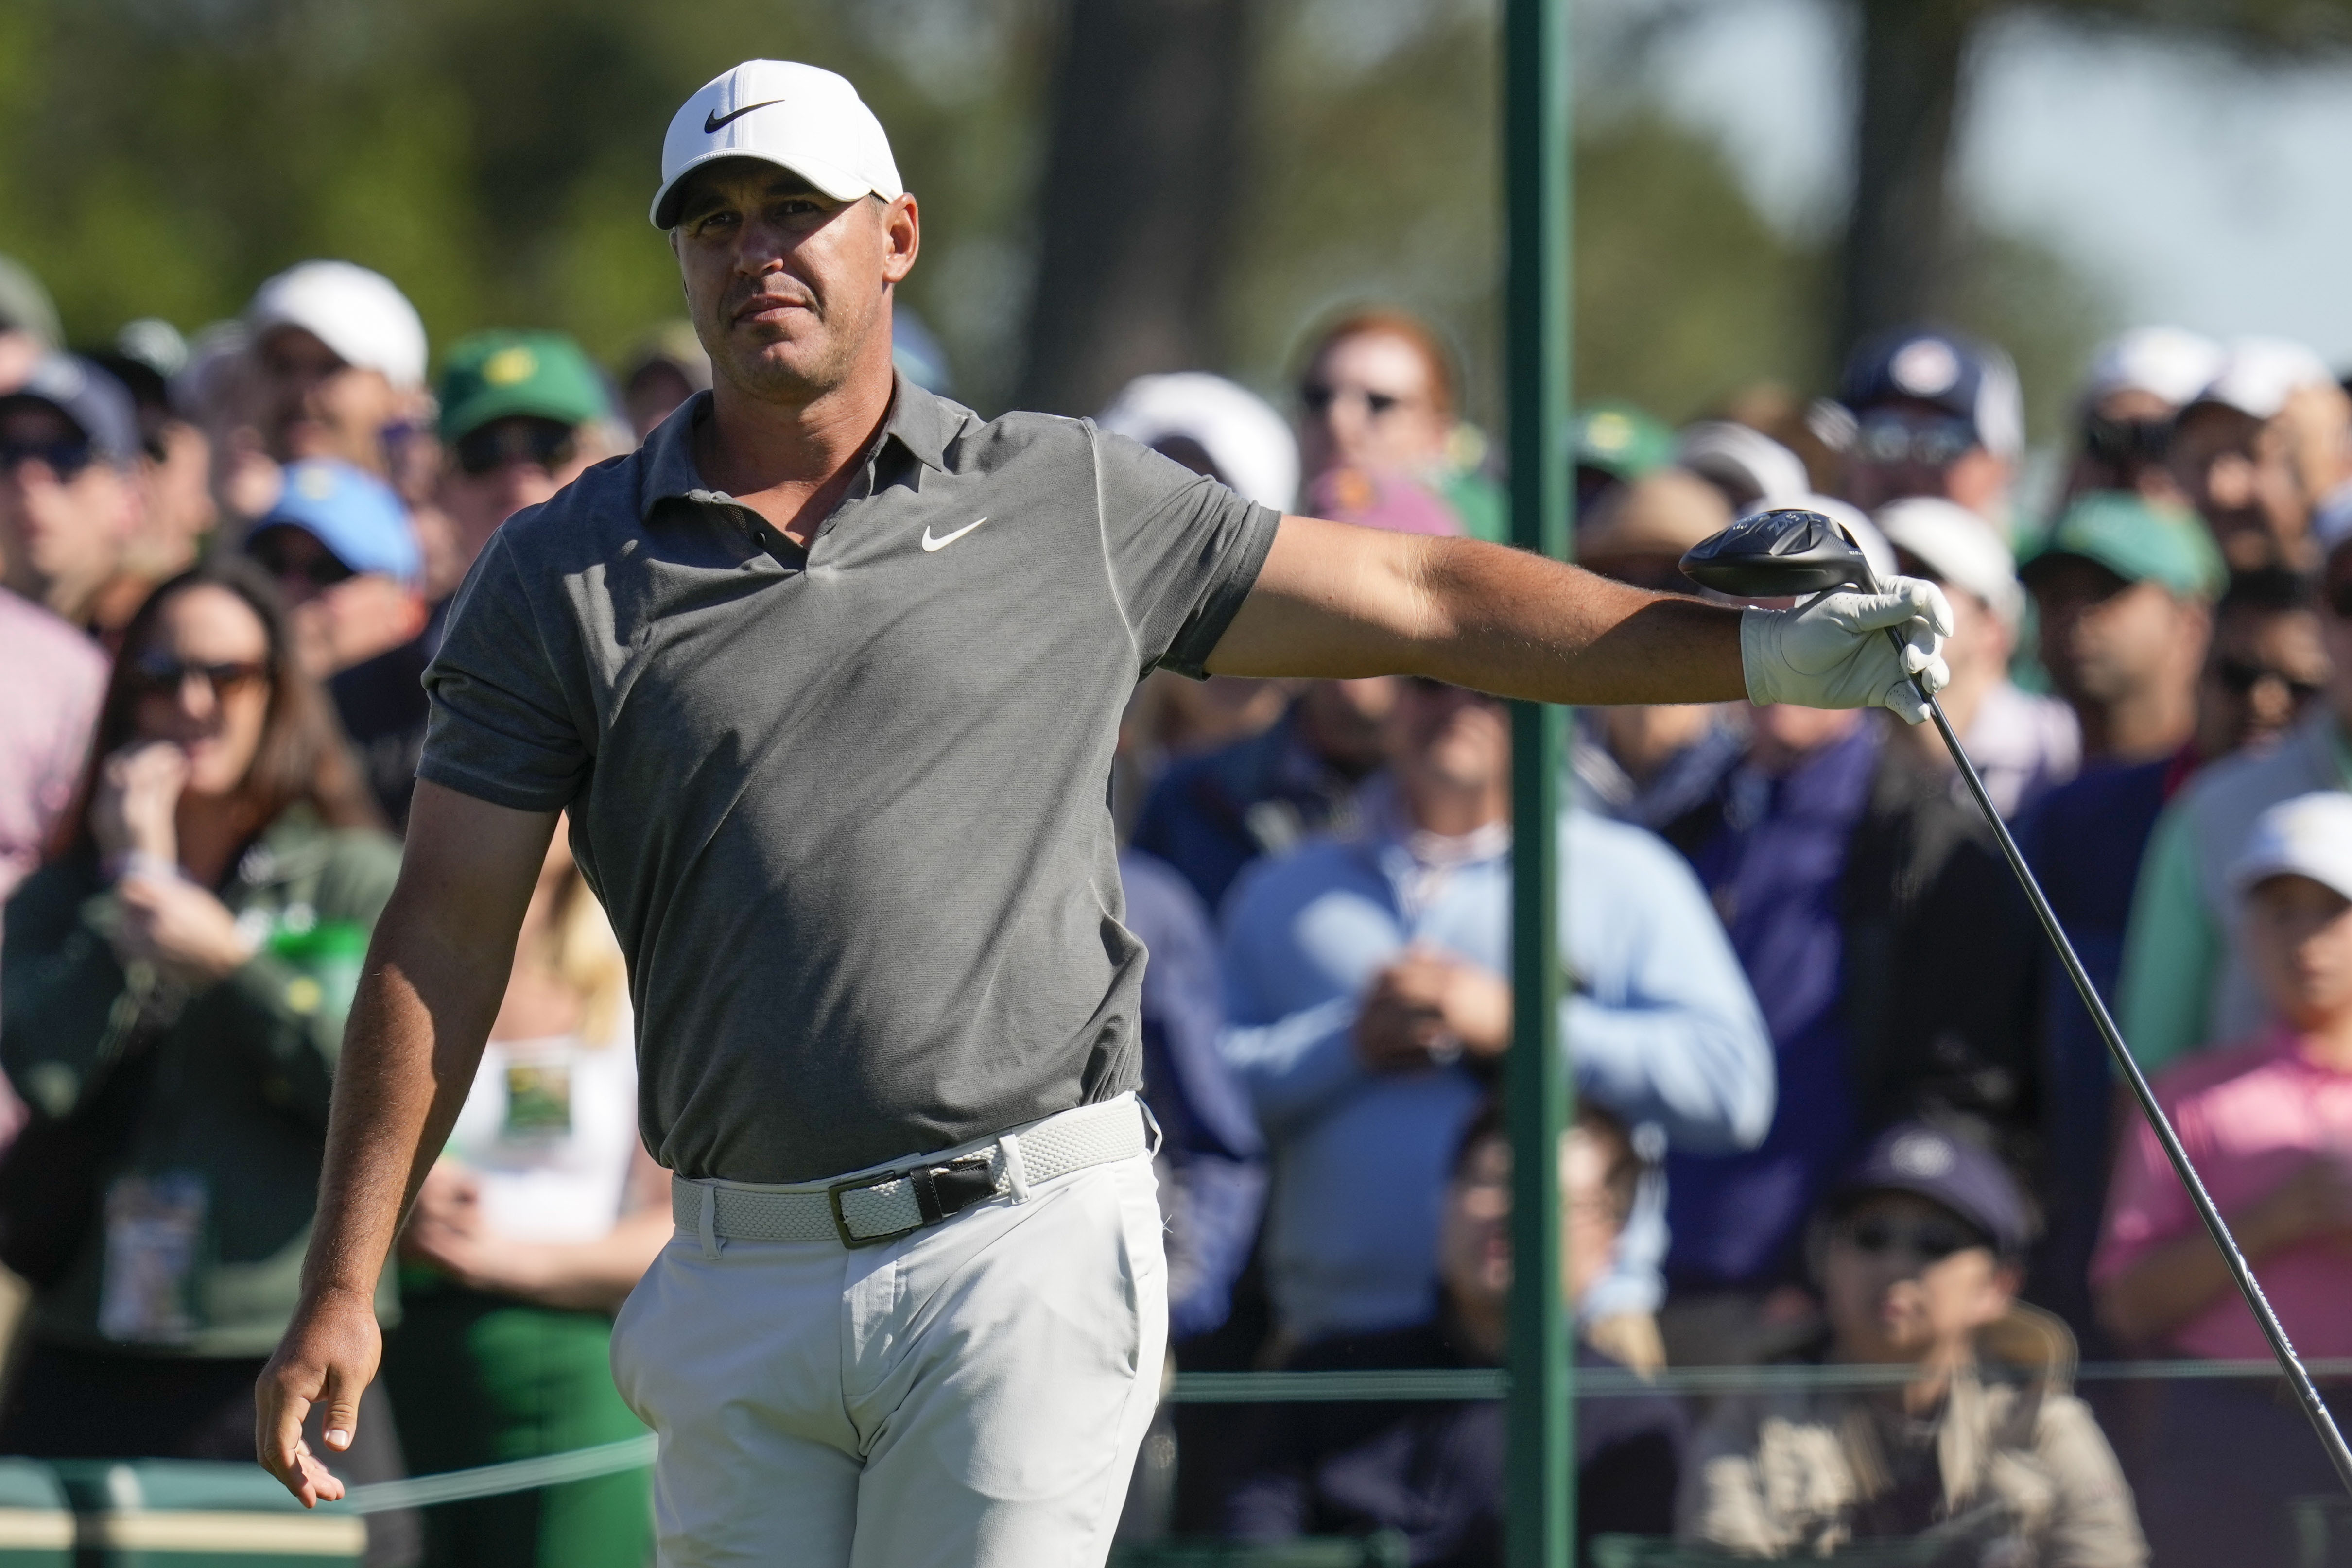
x=886 y=1202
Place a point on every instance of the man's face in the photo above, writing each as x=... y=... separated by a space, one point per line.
x=507 y=465
x=1367 y=399
x=339 y=617
x=1474 y=1243
x=65 y=515
x=1344 y=722
x=309 y=403
x=1907 y=447
x=1904 y=1279
x=788 y=290
x=2104 y=640
x=2264 y=668
x=1447 y=737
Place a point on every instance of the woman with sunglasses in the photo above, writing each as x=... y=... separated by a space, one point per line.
x=176 y=981
x=1971 y=1438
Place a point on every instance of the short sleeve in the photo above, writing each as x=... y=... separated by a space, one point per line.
x=501 y=728
x=1183 y=551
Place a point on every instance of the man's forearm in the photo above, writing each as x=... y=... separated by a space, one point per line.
x=409 y=1056
x=1340 y=601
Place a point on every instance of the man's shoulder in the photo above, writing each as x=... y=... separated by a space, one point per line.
x=607 y=499
x=1320 y=861
x=38 y=641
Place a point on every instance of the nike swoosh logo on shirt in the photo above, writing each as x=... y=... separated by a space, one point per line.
x=937 y=544
x=714 y=120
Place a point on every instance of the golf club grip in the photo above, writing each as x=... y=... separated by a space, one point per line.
x=2314 y=1407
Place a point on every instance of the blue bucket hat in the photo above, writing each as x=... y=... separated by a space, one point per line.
x=352 y=512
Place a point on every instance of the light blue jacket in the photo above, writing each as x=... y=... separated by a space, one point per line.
x=1661 y=1028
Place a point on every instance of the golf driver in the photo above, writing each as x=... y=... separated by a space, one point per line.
x=1794 y=553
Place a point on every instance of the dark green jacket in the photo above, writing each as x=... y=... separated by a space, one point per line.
x=208 y=1205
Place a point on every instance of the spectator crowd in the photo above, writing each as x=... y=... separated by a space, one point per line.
x=1838 y=1108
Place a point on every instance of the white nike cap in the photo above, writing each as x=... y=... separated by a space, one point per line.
x=796 y=117
x=2310 y=835
x=362 y=316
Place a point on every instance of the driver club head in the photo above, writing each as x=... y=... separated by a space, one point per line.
x=1789 y=553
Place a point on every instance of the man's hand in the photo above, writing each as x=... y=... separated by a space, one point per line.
x=1832 y=652
x=1430 y=1006
x=329 y=1355
x=2313 y=1203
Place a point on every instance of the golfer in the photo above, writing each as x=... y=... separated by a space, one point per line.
x=828 y=675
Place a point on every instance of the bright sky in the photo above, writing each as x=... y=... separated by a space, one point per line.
x=2204 y=191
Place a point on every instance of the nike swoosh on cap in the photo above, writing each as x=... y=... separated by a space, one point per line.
x=714 y=120
x=939 y=544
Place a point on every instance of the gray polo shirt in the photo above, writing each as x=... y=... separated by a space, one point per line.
x=848 y=815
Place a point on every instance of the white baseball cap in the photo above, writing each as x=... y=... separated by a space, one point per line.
x=1748 y=466
x=2170 y=362
x=1958 y=547
x=1250 y=443
x=796 y=117
x=360 y=315
x=2310 y=835
x=2259 y=374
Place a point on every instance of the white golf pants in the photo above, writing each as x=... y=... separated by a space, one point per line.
x=967 y=1397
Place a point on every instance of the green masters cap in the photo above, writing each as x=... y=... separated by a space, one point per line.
x=1617 y=438
x=2137 y=542
x=499 y=375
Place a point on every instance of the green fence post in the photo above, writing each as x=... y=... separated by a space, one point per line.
x=1536 y=154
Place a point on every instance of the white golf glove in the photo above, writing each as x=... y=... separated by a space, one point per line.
x=1833 y=651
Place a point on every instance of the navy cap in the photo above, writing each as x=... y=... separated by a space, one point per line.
x=98 y=404
x=1930 y=1163
x=1968 y=380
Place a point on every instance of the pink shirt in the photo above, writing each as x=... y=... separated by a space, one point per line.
x=2249 y=1117
x=55 y=678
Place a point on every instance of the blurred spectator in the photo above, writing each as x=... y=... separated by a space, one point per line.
x=1934 y=413
x=1211 y=1161
x=1895 y=963
x=69 y=495
x=531 y=1229
x=2086 y=841
x=28 y=324
x=2139 y=382
x=2184 y=984
x=2021 y=744
x=2268 y=1124
x=1211 y=815
x=916 y=353
x=1382 y=391
x=175 y=988
x=1647 y=765
x=338 y=355
x=337 y=545
x=1435 y=1471
x=218 y=391
x=1984 y=1451
x=1752 y=470
x=1614 y=443
x=1368 y=998
x=661 y=372
x=1214 y=427
x=522 y=415
x=2125 y=592
x=175 y=468
x=55 y=676
x=2261 y=448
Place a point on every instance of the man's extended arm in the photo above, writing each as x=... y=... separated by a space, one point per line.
x=437 y=972
x=1340 y=601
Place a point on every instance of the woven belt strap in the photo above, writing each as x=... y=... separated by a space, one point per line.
x=877 y=1206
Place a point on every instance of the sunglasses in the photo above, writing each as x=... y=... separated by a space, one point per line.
x=1888 y=438
x=319 y=569
x=1931 y=1240
x=65 y=459
x=1319 y=399
x=541 y=443
x=2121 y=443
x=2241 y=677
x=158 y=674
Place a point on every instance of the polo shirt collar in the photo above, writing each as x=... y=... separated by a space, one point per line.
x=920 y=424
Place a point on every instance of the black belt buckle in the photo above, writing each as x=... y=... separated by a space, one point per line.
x=941 y=1192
